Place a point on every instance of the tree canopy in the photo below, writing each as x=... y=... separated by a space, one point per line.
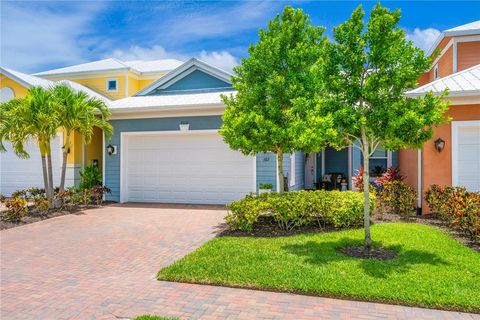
x=362 y=78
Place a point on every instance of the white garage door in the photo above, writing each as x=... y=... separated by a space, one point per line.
x=466 y=154
x=186 y=167
x=17 y=174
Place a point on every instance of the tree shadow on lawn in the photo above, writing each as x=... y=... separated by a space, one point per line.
x=321 y=253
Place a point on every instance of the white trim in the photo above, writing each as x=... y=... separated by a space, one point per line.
x=454 y=62
x=106 y=84
x=126 y=85
x=350 y=159
x=167 y=114
x=292 y=169
x=323 y=163
x=276 y=173
x=103 y=161
x=254 y=186
x=419 y=178
x=172 y=75
x=444 y=50
x=455 y=126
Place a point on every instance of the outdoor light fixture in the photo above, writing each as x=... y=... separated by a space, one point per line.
x=184 y=125
x=111 y=149
x=439 y=144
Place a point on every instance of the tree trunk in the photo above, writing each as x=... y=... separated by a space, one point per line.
x=66 y=147
x=281 y=181
x=50 y=168
x=366 y=191
x=41 y=146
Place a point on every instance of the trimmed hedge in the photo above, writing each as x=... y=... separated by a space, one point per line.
x=338 y=209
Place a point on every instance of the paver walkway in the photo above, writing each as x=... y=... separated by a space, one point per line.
x=102 y=265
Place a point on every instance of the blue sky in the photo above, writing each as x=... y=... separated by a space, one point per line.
x=42 y=35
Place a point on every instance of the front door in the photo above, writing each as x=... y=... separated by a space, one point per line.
x=310 y=168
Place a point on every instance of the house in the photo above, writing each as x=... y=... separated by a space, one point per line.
x=452 y=156
x=17 y=174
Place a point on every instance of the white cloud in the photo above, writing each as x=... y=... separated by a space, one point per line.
x=141 y=53
x=221 y=59
x=37 y=35
x=423 y=38
x=211 y=21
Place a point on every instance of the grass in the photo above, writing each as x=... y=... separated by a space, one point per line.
x=432 y=269
x=150 y=317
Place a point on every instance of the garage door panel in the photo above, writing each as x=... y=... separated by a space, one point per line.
x=185 y=168
x=466 y=155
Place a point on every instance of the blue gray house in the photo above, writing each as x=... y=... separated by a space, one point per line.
x=166 y=147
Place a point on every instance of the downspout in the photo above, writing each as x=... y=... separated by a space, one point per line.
x=419 y=182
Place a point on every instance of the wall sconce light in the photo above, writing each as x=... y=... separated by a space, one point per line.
x=111 y=149
x=184 y=125
x=439 y=144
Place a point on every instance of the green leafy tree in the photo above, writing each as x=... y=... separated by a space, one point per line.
x=77 y=112
x=271 y=111
x=31 y=118
x=362 y=78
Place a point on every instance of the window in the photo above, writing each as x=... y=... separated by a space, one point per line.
x=435 y=72
x=379 y=161
x=112 y=85
x=292 y=169
x=6 y=94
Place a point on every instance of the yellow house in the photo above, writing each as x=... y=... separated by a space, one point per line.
x=108 y=80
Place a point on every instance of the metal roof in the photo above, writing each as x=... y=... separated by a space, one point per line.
x=112 y=64
x=460 y=84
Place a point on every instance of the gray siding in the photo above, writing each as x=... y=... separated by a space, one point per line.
x=112 y=162
x=267 y=169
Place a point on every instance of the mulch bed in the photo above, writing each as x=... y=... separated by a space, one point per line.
x=267 y=227
x=362 y=253
x=35 y=218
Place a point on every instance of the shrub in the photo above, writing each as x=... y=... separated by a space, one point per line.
x=357 y=179
x=90 y=177
x=397 y=197
x=457 y=206
x=339 y=209
x=289 y=209
x=345 y=208
x=242 y=214
x=266 y=186
x=41 y=204
x=98 y=192
x=16 y=209
x=392 y=174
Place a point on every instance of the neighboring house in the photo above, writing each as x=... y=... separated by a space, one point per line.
x=106 y=79
x=112 y=77
x=15 y=173
x=456 y=68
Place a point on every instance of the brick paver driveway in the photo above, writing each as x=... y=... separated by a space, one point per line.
x=102 y=265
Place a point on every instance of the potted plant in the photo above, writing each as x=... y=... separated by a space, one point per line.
x=265 y=188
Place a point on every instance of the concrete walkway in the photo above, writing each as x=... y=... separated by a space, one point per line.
x=102 y=265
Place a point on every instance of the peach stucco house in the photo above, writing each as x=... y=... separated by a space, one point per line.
x=456 y=68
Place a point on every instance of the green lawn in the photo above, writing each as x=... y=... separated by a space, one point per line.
x=432 y=269
x=149 y=317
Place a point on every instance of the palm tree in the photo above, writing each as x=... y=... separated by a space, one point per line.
x=77 y=112
x=32 y=117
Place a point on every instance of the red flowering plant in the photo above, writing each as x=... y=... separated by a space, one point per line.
x=357 y=179
x=392 y=174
